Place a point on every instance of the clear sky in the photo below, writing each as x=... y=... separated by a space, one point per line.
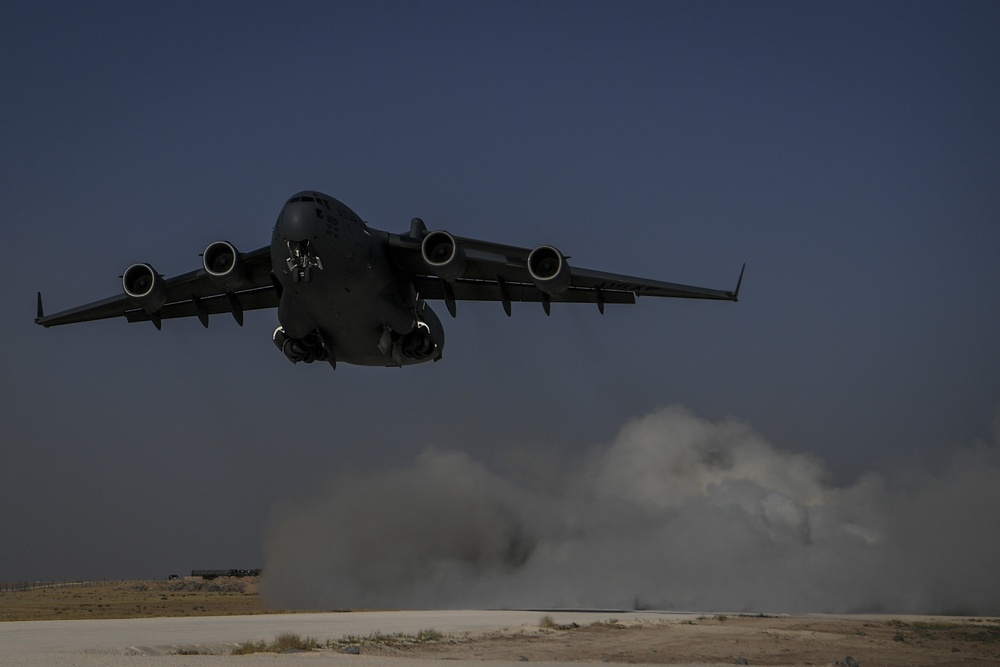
x=849 y=153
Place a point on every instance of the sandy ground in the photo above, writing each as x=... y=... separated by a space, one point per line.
x=131 y=599
x=727 y=639
x=506 y=639
x=134 y=628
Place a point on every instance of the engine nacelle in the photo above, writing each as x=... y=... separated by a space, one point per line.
x=224 y=265
x=443 y=256
x=549 y=270
x=144 y=287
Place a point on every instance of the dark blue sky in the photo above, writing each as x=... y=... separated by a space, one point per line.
x=849 y=153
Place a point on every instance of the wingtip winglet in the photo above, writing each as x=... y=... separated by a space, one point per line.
x=739 y=282
x=41 y=311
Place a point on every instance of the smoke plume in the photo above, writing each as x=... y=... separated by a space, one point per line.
x=677 y=513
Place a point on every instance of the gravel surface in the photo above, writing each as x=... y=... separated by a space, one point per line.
x=470 y=638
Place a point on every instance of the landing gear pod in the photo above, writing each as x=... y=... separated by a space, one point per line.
x=306 y=350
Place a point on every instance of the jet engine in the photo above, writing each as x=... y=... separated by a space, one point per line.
x=224 y=265
x=443 y=255
x=144 y=287
x=549 y=270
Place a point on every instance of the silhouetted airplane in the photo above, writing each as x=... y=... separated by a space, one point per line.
x=347 y=292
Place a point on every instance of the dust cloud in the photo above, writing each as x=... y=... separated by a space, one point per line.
x=677 y=513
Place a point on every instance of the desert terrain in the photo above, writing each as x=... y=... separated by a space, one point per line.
x=728 y=639
x=132 y=599
x=699 y=639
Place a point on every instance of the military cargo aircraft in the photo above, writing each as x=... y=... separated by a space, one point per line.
x=346 y=292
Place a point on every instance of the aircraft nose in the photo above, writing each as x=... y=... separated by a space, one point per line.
x=296 y=225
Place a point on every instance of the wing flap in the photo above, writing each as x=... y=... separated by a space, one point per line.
x=431 y=287
x=586 y=278
x=256 y=299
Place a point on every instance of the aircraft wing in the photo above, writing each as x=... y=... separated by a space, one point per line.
x=193 y=294
x=498 y=272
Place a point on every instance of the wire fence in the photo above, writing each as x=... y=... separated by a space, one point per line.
x=37 y=585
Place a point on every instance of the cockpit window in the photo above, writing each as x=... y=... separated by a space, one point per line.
x=311 y=200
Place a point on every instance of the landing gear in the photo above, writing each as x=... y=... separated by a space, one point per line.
x=418 y=344
x=301 y=261
x=307 y=350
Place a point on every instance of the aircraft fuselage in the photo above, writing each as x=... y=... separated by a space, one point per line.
x=340 y=292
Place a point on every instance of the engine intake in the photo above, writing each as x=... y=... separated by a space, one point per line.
x=224 y=265
x=443 y=255
x=549 y=270
x=144 y=287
